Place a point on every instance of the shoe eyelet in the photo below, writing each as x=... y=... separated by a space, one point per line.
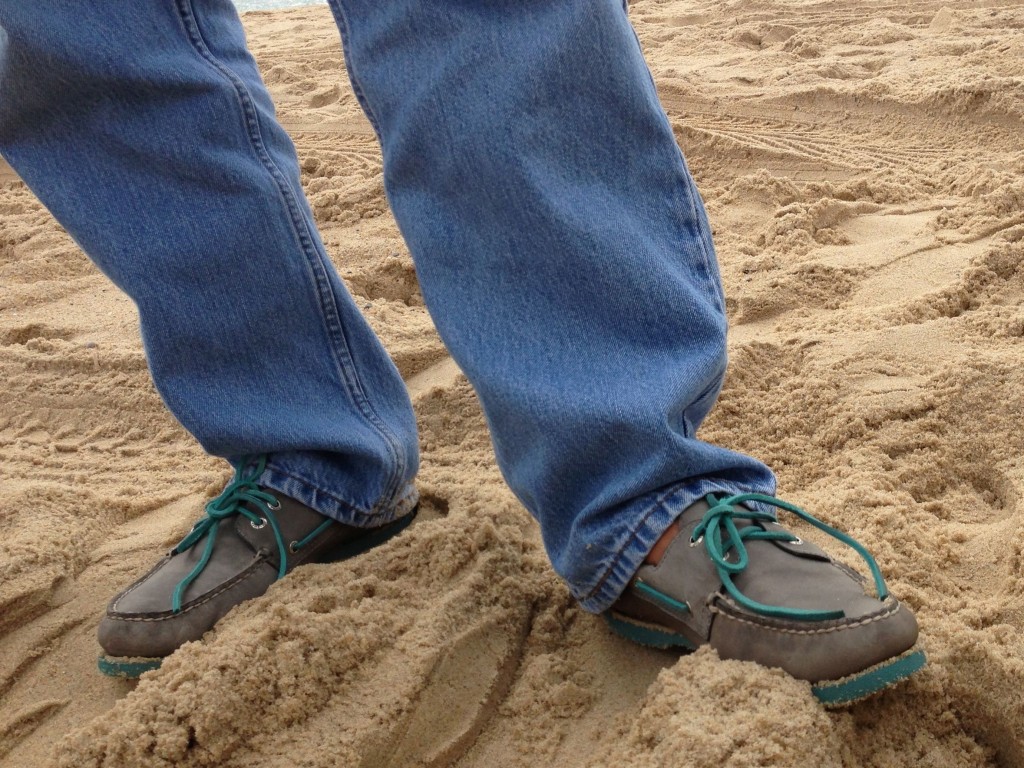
x=275 y=506
x=293 y=547
x=797 y=541
x=694 y=543
x=263 y=523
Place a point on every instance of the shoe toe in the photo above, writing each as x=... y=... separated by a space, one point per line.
x=128 y=629
x=815 y=650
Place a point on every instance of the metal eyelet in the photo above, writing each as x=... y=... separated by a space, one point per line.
x=797 y=541
x=275 y=506
x=698 y=541
x=293 y=547
x=263 y=523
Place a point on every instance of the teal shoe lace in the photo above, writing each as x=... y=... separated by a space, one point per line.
x=243 y=489
x=721 y=536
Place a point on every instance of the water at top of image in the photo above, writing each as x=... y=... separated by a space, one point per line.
x=258 y=5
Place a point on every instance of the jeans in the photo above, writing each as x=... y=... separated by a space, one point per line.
x=561 y=246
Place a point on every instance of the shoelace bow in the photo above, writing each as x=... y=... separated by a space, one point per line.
x=243 y=489
x=721 y=536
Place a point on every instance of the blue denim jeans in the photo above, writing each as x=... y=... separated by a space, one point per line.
x=561 y=247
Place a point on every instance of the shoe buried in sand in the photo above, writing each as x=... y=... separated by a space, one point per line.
x=251 y=536
x=733 y=578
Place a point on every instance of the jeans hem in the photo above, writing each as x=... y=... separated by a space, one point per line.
x=328 y=503
x=657 y=513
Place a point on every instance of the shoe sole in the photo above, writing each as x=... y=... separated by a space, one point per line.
x=643 y=633
x=133 y=667
x=126 y=667
x=853 y=688
x=831 y=693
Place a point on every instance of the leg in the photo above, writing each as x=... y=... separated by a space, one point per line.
x=159 y=152
x=565 y=256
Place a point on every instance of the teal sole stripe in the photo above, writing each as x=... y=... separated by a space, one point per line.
x=661 y=597
x=647 y=635
x=871 y=681
x=112 y=667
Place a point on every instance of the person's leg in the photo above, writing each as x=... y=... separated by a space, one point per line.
x=146 y=130
x=565 y=256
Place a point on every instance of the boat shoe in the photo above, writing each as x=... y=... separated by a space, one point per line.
x=733 y=578
x=250 y=537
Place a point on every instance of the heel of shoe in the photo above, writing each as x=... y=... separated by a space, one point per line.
x=646 y=634
x=374 y=538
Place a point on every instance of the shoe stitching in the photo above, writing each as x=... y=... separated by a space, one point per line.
x=227 y=585
x=821 y=631
x=708 y=602
x=251 y=570
x=857 y=577
x=132 y=587
x=221 y=590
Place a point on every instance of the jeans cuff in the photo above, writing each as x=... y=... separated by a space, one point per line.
x=655 y=514
x=327 y=503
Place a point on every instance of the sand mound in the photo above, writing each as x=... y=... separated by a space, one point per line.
x=862 y=166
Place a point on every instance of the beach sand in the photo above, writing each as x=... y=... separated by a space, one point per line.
x=862 y=165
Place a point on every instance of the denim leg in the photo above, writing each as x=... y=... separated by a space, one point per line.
x=145 y=128
x=565 y=257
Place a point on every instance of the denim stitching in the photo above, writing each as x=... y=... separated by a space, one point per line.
x=691 y=434
x=327 y=301
x=353 y=510
x=710 y=263
x=697 y=487
x=632 y=536
x=343 y=29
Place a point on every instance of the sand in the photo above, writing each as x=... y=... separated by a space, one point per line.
x=862 y=165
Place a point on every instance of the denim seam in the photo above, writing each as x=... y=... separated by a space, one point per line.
x=710 y=267
x=633 y=534
x=343 y=29
x=687 y=432
x=327 y=301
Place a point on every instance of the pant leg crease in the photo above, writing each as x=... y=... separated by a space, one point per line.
x=345 y=364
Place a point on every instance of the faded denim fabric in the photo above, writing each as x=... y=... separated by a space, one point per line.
x=562 y=249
